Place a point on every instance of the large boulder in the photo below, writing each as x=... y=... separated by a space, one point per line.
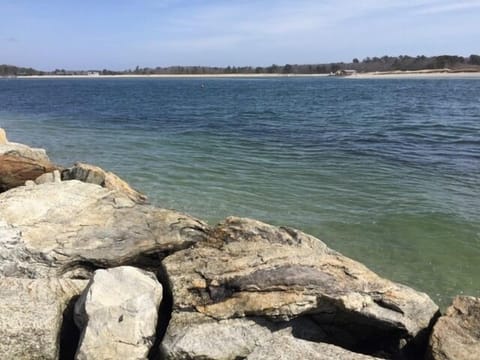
x=71 y=228
x=118 y=314
x=19 y=163
x=456 y=335
x=31 y=316
x=96 y=175
x=248 y=269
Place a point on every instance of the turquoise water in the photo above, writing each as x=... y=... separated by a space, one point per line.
x=385 y=171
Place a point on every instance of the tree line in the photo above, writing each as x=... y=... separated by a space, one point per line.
x=384 y=63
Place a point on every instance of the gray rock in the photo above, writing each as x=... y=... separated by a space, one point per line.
x=456 y=335
x=194 y=336
x=31 y=314
x=70 y=228
x=288 y=347
x=118 y=314
x=250 y=269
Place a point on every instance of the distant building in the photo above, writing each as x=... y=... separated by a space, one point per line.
x=93 y=73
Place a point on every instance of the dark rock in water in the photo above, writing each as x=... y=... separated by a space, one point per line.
x=31 y=316
x=456 y=335
x=96 y=175
x=250 y=269
x=118 y=314
x=71 y=228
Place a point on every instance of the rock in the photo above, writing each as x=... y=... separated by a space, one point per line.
x=199 y=337
x=96 y=175
x=3 y=137
x=48 y=177
x=250 y=269
x=31 y=313
x=288 y=347
x=19 y=163
x=194 y=336
x=118 y=314
x=71 y=228
x=456 y=335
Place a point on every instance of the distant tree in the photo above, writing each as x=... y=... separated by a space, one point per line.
x=287 y=69
x=355 y=61
x=474 y=59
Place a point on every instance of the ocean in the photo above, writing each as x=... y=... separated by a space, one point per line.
x=386 y=171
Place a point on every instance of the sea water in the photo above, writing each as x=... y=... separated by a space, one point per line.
x=386 y=171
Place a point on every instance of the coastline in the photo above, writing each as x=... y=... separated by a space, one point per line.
x=416 y=74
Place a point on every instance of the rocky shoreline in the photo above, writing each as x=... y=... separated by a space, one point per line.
x=90 y=270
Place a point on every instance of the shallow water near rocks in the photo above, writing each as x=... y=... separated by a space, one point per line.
x=385 y=171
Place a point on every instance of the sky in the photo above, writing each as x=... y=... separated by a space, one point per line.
x=121 y=34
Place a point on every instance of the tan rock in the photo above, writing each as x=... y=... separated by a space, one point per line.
x=31 y=316
x=118 y=314
x=96 y=175
x=251 y=269
x=456 y=335
x=16 y=170
x=3 y=137
x=71 y=228
x=49 y=178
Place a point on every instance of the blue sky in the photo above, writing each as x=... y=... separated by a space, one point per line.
x=120 y=34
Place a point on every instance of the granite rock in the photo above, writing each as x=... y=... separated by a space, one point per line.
x=456 y=335
x=250 y=269
x=69 y=229
x=31 y=316
x=118 y=314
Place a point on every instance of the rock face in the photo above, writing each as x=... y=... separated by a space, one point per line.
x=248 y=269
x=19 y=163
x=118 y=314
x=456 y=335
x=96 y=175
x=70 y=228
x=31 y=313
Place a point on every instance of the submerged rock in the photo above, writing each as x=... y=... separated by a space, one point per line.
x=250 y=269
x=71 y=228
x=96 y=175
x=31 y=313
x=456 y=335
x=19 y=163
x=118 y=314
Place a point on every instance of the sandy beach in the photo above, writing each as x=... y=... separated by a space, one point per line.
x=419 y=74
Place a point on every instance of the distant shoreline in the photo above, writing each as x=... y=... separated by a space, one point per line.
x=367 y=75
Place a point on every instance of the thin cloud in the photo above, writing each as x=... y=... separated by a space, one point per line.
x=437 y=8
